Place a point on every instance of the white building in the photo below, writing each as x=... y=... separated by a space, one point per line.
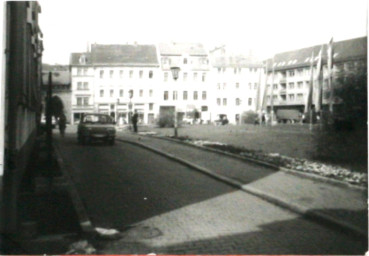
x=236 y=85
x=292 y=76
x=117 y=80
x=190 y=92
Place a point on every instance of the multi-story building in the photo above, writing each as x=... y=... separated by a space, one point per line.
x=20 y=101
x=190 y=92
x=236 y=82
x=117 y=80
x=287 y=89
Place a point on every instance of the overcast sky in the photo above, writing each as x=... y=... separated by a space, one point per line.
x=265 y=26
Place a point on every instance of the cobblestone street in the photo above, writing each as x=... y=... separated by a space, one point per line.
x=163 y=207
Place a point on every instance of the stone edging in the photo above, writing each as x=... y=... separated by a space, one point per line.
x=83 y=218
x=265 y=196
x=272 y=166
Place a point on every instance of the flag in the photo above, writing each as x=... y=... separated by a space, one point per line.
x=272 y=90
x=263 y=103
x=330 y=56
x=330 y=67
x=258 y=105
x=309 y=99
x=319 y=81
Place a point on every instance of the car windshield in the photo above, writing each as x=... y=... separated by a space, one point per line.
x=97 y=119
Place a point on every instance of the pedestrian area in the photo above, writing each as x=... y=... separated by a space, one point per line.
x=340 y=206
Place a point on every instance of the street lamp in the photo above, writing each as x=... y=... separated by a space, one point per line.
x=175 y=73
x=130 y=92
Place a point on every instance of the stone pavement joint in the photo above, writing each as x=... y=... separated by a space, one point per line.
x=289 y=204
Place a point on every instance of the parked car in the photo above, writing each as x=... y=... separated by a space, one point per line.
x=222 y=120
x=187 y=120
x=96 y=127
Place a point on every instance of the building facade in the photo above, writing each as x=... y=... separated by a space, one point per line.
x=20 y=102
x=288 y=85
x=236 y=83
x=116 y=80
x=189 y=94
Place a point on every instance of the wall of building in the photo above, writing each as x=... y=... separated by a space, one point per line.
x=236 y=90
x=108 y=90
x=22 y=102
x=213 y=84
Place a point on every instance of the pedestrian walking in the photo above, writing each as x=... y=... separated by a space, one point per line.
x=263 y=118
x=62 y=124
x=134 y=121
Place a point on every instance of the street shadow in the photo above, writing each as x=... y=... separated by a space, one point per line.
x=295 y=236
x=138 y=185
x=358 y=219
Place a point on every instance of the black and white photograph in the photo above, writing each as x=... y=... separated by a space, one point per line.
x=184 y=127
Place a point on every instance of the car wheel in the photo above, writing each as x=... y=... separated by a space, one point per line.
x=79 y=139
x=112 y=141
x=83 y=140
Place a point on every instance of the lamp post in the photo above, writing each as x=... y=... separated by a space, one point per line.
x=49 y=115
x=130 y=107
x=117 y=113
x=175 y=73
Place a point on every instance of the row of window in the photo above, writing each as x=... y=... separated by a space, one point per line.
x=237 y=101
x=84 y=101
x=237 y=70
x=298 y=85
x=185 y=95
x=185 y=76
x=237 y=85
x=350 y=65
x=82 y=86
x=121 y=93
x=291 y=97
x=166 y=60
x=130 y=73
x=82 y=71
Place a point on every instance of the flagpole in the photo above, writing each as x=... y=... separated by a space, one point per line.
x=310 y=96
x=264 y=103
x=330 y=66
x=272 y=91
x=258 y=107
x=319 y=80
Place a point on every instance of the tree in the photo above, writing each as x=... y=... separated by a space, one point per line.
x=57 y=106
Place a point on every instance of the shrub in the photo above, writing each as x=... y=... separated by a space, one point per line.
x=347 y=148
x=166 y=120
x=344 y=140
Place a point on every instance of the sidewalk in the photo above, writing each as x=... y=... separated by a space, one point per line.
x=47 y=217
x=337 y=205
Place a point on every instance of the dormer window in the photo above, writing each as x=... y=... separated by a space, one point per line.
x=82 y=59
x=185 y=61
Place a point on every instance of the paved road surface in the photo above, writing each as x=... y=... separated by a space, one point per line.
x=166 y=208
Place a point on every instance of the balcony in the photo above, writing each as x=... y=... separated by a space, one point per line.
x=282 y=80
x=282 y=92
x=82 y=107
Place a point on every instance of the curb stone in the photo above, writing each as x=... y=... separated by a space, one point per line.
x=84 y=220
x=320 y=217
x=266 y=164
